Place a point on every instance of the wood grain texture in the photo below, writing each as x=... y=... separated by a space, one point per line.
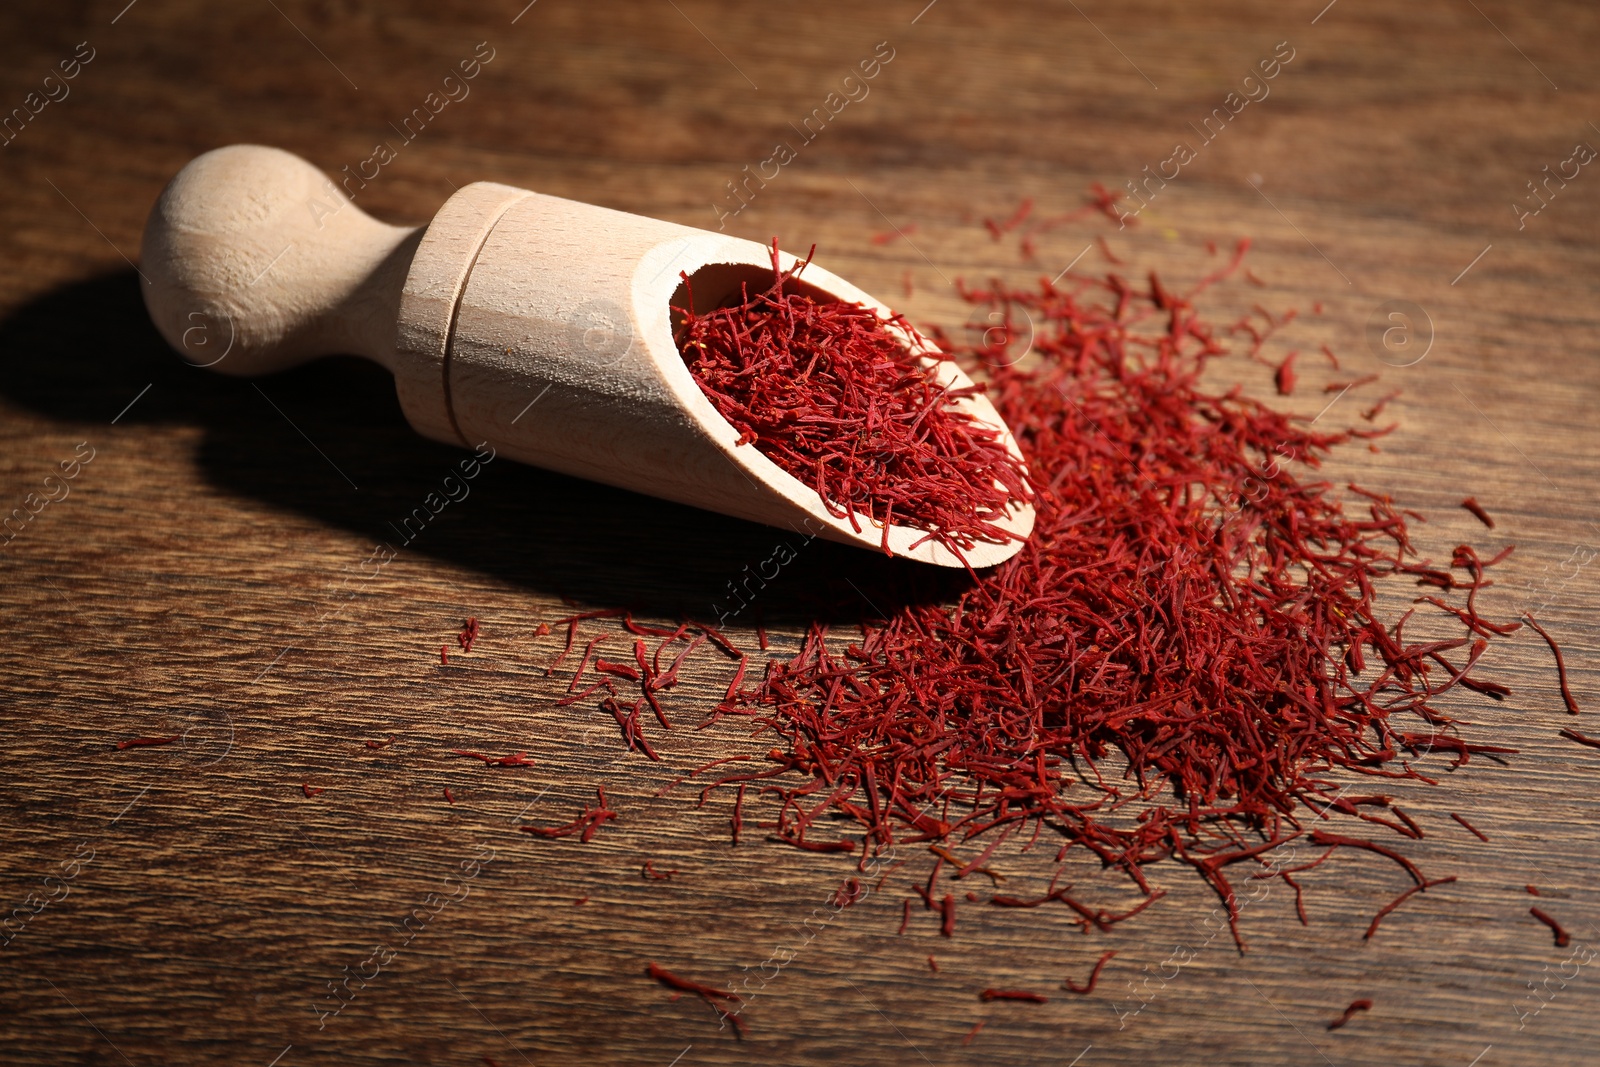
x=211 y=572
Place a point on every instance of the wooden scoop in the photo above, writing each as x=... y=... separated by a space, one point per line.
x=537 y=325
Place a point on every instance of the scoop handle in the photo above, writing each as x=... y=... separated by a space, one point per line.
x=255 y=261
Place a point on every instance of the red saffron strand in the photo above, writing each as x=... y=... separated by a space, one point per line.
x=628 y=722
x=1474 y=830
x=585 y=825
x=447 y=796
x=1533 y=890
x=933 y=965
x=1299 y=897
x=974 y=1031
x=1420 y=887
x=1582 y=739
x=685 y=985
x=515 y=759
x=1321 y=837
x=649 y=871
x=583 y=664
x=1285 y=376
x=998 y=230
x=309 y=790
x=710 y=994
x=927 y=892
x=1563 y=938
x=849 y=893
x=620 y=670
x=1339 y=387
x=888 y=236
x=1561 y=663
x=1022 y=995
x=468 y=634
x=381 y=744
x=1094 y=976
x=1355 y=1005
x=819 y=846
x=1416 y=831
x=1477 y=512
x=146 y=742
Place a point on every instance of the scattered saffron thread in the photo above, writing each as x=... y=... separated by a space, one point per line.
x=1094 y=976
x=1561 y=664
x=515 y=759
x=1420 y=887
x=146 y=742
x=890 y=236
x=1582 y=739
x=998 y=230
x=849 y=893
x=1285 y=376
x=1355 y=1005
x=1563 y=939
x=585 y=825
x=1014 y=994
x=711 y=995
x=1477 y=511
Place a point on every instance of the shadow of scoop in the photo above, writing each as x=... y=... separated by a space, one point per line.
x=328 y=441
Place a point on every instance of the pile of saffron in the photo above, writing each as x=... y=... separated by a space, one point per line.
x=843 y=400
x=1187 y=661
x=1195 y=660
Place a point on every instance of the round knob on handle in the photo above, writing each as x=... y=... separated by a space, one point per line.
x=257 y=262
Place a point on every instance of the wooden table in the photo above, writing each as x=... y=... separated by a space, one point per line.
x=210 y=572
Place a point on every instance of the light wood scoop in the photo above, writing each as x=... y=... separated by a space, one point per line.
x=538 y=325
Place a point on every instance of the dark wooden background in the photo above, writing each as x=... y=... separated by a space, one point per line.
x=205 y=575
